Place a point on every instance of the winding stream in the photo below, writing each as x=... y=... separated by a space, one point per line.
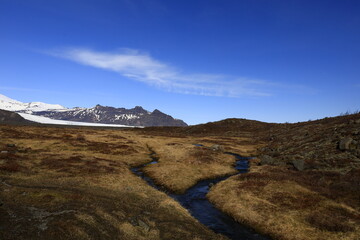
x=194 y=199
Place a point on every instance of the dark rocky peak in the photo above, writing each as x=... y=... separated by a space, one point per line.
x=103 y=108
x=157 y=112
x=138 y=109
x=98 y=106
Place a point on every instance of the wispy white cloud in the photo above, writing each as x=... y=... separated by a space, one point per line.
x=142 y=67
x=7 y=88
x=47 y=91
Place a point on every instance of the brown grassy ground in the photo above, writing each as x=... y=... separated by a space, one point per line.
x=316 y=143
x=69 y=183
x=181 y=164
x=321 y=202
x=293 y=205
x=66 y=183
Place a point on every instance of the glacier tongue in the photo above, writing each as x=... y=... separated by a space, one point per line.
x=45 y=120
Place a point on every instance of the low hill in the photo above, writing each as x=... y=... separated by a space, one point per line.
x=7 y=117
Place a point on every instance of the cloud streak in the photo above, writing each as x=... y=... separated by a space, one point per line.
x=142 y=67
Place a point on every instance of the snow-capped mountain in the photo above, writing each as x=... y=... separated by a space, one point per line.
x=99 y=114
x=16 y=106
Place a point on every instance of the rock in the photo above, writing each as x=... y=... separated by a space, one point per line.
x=128 y=188
x=357 y=121
x=298 y=164
x=147 y=213
x=1 y=203
x=217 y=147
x=133 y=221
x=10 y=145
x=143 y=225
x=346 y=144
x=211 y=184
x=4 y=152
x=22 y=151
x=267 y=160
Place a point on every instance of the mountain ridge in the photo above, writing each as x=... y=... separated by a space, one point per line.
x=136 y=116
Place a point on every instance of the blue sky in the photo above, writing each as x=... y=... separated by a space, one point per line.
x=198 y=60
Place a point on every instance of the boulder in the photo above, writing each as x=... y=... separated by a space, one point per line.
x=217 y=147
x=358 y=153
x=143 y=225
x=346 y=144
x=298 y=164
x=267 y=160
x=133 y=221
x=146 y=213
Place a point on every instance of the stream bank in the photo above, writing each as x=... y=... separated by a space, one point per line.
x=195 y=201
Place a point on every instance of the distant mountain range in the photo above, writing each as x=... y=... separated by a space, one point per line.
x=99 y=114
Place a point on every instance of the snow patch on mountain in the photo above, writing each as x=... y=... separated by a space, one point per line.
x=9 y=104
x=126 y=116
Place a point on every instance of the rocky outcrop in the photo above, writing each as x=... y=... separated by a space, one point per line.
x=347 y=144
x=329 y=143
x=8 y=117
x=298 y=164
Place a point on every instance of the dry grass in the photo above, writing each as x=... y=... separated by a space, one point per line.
x=316 y=143
x=75 y=183
x=10 y=166
x=290 y=205
x=181 y=164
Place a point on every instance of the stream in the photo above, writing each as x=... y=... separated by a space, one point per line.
x=195 y=201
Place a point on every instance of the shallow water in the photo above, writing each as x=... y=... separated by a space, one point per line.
x=194 y=199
